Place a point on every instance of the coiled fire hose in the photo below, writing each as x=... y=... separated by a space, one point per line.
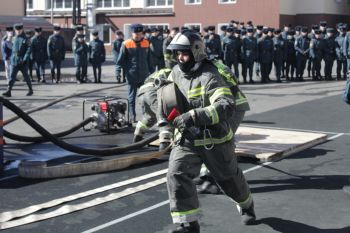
x=79 y=150
x=40 y=139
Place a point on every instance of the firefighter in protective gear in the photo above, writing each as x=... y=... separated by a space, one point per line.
x=202 y=135
x=147 y=95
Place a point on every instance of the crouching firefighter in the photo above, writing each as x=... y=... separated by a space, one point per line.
x=203 y=134
x=205 y=182
x=147 y=96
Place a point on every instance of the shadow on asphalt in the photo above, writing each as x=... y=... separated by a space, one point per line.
x=288 y=226
x=258 y=122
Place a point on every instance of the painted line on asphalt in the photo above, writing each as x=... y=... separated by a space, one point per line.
x=135 y=214
x=132 y=215
x=291 y=129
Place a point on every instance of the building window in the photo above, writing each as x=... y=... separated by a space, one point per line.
x=159 y=3
x=227 y=1
x=107 y=34
x=29 y=4
x=193 y=2
x=113 y=3
x=60 y=4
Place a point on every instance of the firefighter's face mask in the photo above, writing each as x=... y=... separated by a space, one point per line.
x=185 y=60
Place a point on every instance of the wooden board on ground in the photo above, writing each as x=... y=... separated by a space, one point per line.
x=270 y=144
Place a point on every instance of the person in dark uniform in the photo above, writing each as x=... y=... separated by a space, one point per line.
x=323 y=28
x=156 y=45
x=232 y=49
x=136 y=60
x=302 y=47
x=286 y=29
x=341 y=58
x=329 y=53
x=310 y=62
x=39 y=53
x=117 y=44
x=56 y=51
x=169 y=59
x=6 y=51
x=279 y=53
x=97 y=55
x=249 y=54
x=29 y=35
x=346 y=48
x=290 y=57
x=81 y=53
x=265 y=52
x=297 y=32
x=258 y=35
x=223 y=29
x=79 y=31
x=19 y=60
x=316 y=54
x=213 y=44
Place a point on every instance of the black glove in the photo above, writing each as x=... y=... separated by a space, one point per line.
x=184 y=121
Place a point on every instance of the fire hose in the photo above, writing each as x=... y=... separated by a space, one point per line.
x=40 y=170
x=40 y=139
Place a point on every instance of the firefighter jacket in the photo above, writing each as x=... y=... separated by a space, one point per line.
x=209 y=101
x=136 y=61
x=149 y=85
x=20 y=50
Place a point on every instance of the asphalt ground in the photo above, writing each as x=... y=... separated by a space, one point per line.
x=301 y=193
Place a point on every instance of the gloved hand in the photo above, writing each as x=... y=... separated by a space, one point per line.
x=184 y=121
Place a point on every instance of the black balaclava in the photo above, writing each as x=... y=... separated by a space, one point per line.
x=186 y=67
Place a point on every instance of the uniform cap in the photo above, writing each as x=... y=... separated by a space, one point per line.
x=230 y=29
x=323 y=23
x=136 y=28
x=265 y=30
x=238 y=31
x=56 y=28
x=95 y=32
x=250 y=22
x=259 y=27
x=250 y=29
x=119 y=33
x=166 y=31
x=291 y=32
x=81 y=36
x=154 y=29
x=9 y=29
x=223 y=27
x=318 y=32
x=18 y=26
x=79 y=28
x=330 y=30
x=304 y=29
x=315 y=26
x=38 y=29
x=211 y=28
x=277 y=31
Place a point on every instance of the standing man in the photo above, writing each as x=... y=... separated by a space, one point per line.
x=136 y=61
x=279 y=53
x=39 y=54
x=249 y=54
x=6 y=50
x=290 y=57
x=265 y=51
x=232 y=49
x=209 y=97
x=117 y=45
x=156 y=44
x=302 y=47
x=79 y=31
x=168 y=56
x=29 y=35
x=213 y=44
x=316 y=54
x=341 y=58
x=81 y=53
x=56 y=51
x=346 y=48
x=19 y=60
x=329 y=53
x=258 y=34
x=97 y=55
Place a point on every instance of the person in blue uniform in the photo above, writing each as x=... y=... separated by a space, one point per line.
x=56 y=51
x=97 y=55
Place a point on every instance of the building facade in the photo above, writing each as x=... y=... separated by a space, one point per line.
x=108 y=15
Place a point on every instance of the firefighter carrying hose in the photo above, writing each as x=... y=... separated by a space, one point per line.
x=203 y=134
x=147 y=96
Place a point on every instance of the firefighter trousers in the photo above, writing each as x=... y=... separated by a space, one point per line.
x=185 y=164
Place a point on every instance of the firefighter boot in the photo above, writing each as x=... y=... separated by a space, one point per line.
x=137 y=138
x=30 y=92
x=248 y=215
x=192 y=227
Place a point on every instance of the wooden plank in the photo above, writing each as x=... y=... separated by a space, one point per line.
x=271 y=144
